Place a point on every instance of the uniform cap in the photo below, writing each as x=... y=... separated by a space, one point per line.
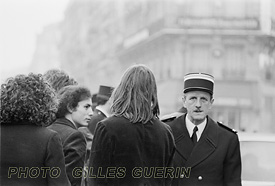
x=198 y=81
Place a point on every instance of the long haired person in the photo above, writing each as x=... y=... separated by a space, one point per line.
x=133 y=141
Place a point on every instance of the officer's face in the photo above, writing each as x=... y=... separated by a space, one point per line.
x=198 y=105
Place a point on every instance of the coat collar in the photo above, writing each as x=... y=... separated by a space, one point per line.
x=64 y=121
x=205 y=146
x=100 y=110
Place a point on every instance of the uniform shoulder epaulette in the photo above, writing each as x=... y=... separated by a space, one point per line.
x=227 y=128
x=170 y=117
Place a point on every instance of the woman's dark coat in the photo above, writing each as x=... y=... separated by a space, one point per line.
x=120 y=148
x=28 y=151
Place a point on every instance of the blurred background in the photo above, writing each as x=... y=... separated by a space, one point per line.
x=96 y=40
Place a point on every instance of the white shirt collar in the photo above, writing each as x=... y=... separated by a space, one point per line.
x=101 y=109
x=190 y=126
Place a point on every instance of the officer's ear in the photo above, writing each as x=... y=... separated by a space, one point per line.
x=184 y=100
x=212 y=100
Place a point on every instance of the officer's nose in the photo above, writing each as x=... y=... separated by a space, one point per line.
x=198 y=104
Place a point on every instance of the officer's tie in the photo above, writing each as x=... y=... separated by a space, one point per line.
x=194 y=135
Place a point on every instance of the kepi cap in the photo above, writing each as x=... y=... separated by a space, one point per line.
x=104 y=92
x=198 y=81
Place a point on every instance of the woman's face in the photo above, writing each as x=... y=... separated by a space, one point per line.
x=83 y=112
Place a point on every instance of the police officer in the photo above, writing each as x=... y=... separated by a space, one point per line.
x=209 y=151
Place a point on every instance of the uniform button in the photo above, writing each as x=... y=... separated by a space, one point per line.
x=200 y=178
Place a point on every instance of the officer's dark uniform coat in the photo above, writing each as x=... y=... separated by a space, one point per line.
x=215 y=159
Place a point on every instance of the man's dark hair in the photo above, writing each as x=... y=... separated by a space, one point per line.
x=69 y=97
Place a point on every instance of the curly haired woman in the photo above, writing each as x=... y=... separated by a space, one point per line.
x=31 y=154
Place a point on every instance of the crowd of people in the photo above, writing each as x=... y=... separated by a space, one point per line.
x=54 y=131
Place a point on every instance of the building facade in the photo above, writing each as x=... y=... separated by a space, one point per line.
x=90 y=33
x=46 y=54
x=232 y=40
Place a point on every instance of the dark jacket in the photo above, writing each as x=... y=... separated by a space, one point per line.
x=125 y=150
x=74 y=148
x=96 y=117
x=214 y=161
x=29 y=151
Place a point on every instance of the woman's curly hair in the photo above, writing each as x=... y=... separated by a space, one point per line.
x=28 y=98
x=58 y=79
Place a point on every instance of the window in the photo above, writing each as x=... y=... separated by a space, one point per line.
x=235 y=64
x=268 y=103
x=201 y=8
x=234 y=8
x=199 y=57
x=233 y=117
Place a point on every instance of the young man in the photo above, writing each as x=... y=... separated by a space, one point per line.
x=74 y=111
x=210 y=150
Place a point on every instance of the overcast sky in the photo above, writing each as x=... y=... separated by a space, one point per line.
x=20 y=22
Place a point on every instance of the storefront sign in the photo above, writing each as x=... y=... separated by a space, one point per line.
x=218 y=23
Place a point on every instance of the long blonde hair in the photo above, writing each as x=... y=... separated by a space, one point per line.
x=135 y=98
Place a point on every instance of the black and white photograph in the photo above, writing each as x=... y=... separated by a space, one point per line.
x=137 y=92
